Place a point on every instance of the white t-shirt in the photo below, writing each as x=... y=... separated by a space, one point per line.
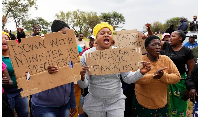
x=81 y=43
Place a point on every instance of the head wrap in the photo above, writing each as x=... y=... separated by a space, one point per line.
x=6 y=34
x=149 y=39
x=58 y=25
x=98 y=27
x=163 y=36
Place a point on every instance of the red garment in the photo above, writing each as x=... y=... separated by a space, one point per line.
x=83 y=51
x=17 y=41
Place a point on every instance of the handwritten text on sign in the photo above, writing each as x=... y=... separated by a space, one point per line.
x=128 y=39
x=35 y=54
x=113 y=61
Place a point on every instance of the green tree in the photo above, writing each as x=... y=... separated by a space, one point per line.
x=42 y=23
x=113 y=18
x=156 y=26
x=80 y=21
x=17 y=10
x=90 y=21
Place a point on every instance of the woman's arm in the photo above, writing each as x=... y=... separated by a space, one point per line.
x=6 y=78
x=190 y=65
x=173 y=75
x=131 y=77
x=146 y=79
x=83 y=83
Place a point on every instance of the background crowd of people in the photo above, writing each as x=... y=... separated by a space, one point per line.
x=161 y=88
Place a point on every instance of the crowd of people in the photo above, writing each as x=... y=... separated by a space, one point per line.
x=161 y=88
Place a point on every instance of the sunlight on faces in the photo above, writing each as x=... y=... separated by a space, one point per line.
x=154 y=47
x=175 y=38
x=5 y=38
x=104 y=39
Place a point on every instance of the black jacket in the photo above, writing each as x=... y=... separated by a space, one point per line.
x=192 y=80
x=20 y=35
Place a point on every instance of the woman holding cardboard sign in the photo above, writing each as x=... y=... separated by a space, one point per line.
x=106 y=98
x=14 y=97
x=151 y=90
x=58 y=101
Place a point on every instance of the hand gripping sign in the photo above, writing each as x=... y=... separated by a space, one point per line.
x=33 y=56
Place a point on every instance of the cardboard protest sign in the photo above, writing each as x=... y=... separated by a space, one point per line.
x=113 y=61
x=129 y=38
x=35 y=54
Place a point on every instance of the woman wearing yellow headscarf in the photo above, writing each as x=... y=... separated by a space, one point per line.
x=105 y=97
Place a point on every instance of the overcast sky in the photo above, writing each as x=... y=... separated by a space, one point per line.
x=136 y=12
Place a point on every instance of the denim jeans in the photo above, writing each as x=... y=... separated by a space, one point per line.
x=39 y=111
x=19 y=104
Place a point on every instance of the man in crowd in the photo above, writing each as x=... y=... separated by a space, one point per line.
x=20 y=34
x=35 y=30
x=192 y=86
x=191 y=43
x=194 y=24
x=81 y=42
x=183 y=26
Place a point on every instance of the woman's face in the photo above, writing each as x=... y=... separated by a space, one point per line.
x=166 y=38
x=175 y=39
x=154 y=48
x=63 y=30
x=95 y=43
x=5 y=38
x=104 y=38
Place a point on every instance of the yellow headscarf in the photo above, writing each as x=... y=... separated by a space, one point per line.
x=98 y=27
x=6 y=34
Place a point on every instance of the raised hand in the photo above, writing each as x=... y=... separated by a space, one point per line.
x=159 y=73
x=146 y=67
x=148 y=26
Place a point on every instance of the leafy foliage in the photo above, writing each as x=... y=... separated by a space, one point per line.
x=80 y=21
x=16 y=10
x=113 y=18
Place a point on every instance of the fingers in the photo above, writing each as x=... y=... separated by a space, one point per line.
x=5 y=80
x=72 y=113
x=85 y=68
x=52 y=69
x=144 y=63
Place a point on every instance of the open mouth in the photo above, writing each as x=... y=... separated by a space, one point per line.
x=106 y=41
x=4 y=44
x=158 y=51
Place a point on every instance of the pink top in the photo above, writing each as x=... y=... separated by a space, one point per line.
x=3 y=69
